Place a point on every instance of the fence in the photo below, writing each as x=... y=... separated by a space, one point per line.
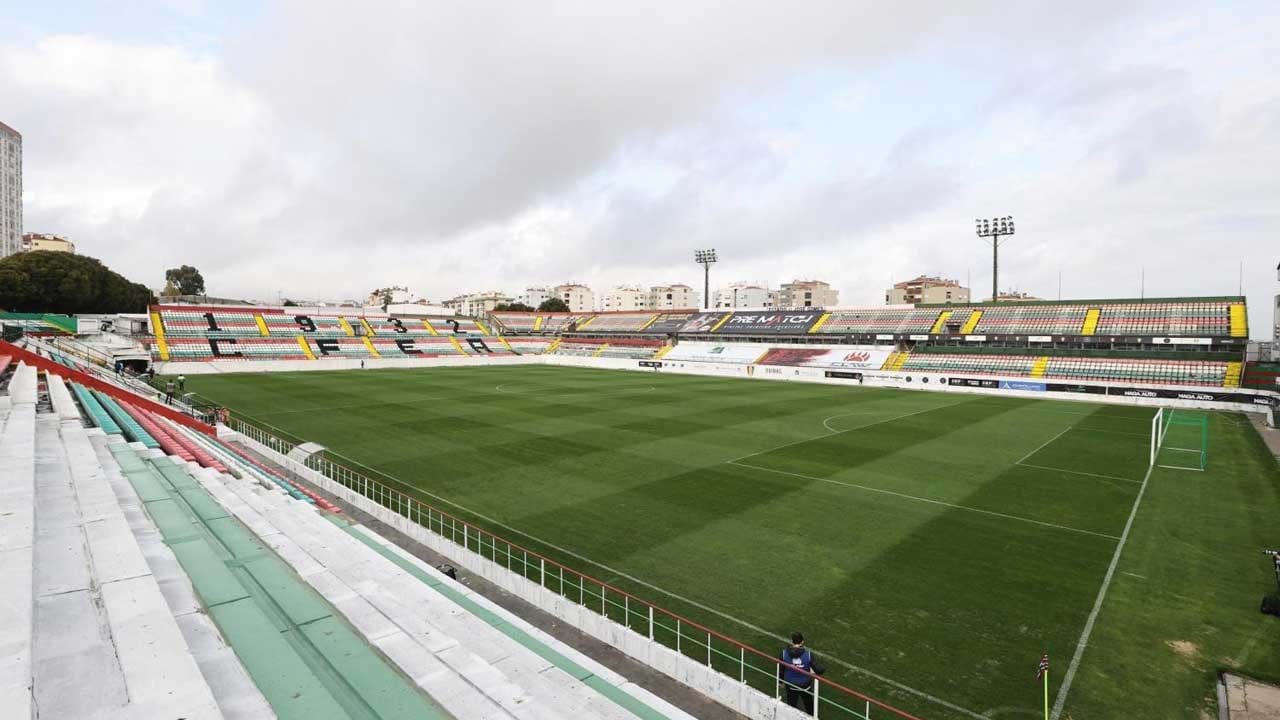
x=733 y=660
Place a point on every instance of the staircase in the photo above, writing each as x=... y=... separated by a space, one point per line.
x=896 y=360
x=663 y=352
x=940 y=323
x=971 y=323
x=1038 y=367
x=1234 y=371
x=1091 y=321
x=1239 y=321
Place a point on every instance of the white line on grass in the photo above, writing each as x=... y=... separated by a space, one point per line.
x=1097 y=604
x=1081 y=472
x=693 y=603
x=840 y=432
x=931 y=501
x=1044 y=445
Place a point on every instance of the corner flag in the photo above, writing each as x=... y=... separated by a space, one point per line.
x=1043 y=672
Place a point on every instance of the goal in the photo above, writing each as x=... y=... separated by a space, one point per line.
x=1180 y=439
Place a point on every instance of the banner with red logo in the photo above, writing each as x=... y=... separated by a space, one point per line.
x=844 y=357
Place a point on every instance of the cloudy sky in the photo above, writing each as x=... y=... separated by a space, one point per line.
x=320 y=148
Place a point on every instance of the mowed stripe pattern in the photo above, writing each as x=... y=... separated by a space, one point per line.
x=943 y=541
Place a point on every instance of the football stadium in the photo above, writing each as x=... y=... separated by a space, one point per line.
x=606 y=361
x=939 y=496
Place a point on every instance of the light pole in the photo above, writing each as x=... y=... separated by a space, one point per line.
x=992 y=229
x=705 y=258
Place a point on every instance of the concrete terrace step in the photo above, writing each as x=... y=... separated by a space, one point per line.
x=418 y=617
x=99 y=612
x=234 y=691
x=306 y=661
x=17 y=540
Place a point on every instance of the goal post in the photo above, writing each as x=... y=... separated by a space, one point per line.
x=1180 y=439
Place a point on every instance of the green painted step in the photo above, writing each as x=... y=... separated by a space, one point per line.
x=307 y=661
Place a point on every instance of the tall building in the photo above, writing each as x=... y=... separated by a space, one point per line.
x=745 y=295
x=579 y=298
x=52 y=243
x=807 y=293
x=10 y=191
x=625 y=297
x=926 y=289
x=673 y=297
x=534 y=296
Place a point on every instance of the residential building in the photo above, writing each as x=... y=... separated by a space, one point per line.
x=1016 y=296
x=52 y=243
x=399 y=294
x=745 y=295
x=926 y=289
x=476 y=304
x=579 y=298
x=674 y=297
x=534 y=296
x=10 y=191
x=625 y=297
x=807 y=293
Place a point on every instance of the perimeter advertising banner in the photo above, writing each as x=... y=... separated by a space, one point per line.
x=793 y=322
x=727 y=353
x=848 y=357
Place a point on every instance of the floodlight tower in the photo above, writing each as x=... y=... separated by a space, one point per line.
x=705 y=258
x=992 y=229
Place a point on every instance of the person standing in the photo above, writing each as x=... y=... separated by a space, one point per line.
x=182 y=383
x=799 y=686
x=168 y=392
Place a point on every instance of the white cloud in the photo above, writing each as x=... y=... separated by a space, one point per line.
x=329 y=148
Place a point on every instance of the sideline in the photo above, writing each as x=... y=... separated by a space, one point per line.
x=1067 y=679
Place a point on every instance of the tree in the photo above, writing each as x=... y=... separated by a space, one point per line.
x=512 y=307
x=57 y=282
x=186 y=280
x=553 y=305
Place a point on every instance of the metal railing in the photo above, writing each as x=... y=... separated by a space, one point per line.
x=748 y=665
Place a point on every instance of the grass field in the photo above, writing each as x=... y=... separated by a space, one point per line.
x=942 y=541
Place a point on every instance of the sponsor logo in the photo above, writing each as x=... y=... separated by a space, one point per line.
x=1141 y=393
x=857 y=357
x=650 y=364
x=913 y=337
x=1194 y=396
x=884 y=337
x=975 y=338
x=1026 y=386
x=770 y=320
x=1040 y=338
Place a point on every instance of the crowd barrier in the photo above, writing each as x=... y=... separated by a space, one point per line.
x=731 y=672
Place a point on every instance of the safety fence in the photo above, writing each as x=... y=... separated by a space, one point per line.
x=730 y=658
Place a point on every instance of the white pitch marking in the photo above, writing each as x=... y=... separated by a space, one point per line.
x=1097 y=604
x=840 y=432
x=1044 y=445
x=1081 y=472
x=1126 y=572
x=848 y=414
x=670 y=594
x=931 y=501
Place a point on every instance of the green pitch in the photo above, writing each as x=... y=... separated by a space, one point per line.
x=939 y=541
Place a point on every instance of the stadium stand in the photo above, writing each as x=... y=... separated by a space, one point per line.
x=192 y=580
x=627 y=322
x=39 y=323
x=633 y=348
x=1147 y=370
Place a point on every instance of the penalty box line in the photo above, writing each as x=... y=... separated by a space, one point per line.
x=931 y=501
x=656 y=588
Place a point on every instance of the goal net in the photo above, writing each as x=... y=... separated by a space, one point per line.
x=1180 y=439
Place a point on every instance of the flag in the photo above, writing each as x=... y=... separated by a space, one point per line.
x=1044 y=666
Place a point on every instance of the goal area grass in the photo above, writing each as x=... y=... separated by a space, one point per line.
x=930 y=545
